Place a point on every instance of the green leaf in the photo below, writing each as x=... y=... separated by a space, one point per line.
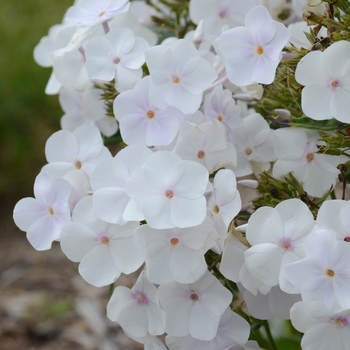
x=344 y=5
x=288 y=343
x=319 y=125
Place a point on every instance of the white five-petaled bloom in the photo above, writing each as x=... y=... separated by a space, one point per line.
x=323 y=328
x=137 y=309
x=323 y=275
x=194 y=309
x=118 y=55
x=326 y=77
x=179 y=76
x=104 y=250
x=277 y=236
x=296 y=150
x=44 y=216
x=170 y=191
x=89 y=13
x=177 y=253
x=252 y=53
x=80 y=150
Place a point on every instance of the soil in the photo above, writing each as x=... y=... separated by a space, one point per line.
x=46 y=305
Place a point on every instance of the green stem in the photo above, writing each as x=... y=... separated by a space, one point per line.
x=269 y=335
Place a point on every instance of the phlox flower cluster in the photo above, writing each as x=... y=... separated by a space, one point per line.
x=195 y=144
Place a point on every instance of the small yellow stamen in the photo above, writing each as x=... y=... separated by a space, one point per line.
x=51 y=211
x=104 y=240
x=260 y=50
x=335 y=83
x=220 y=118
x=248 y=151
x=150 y=114
x=174 y=241
x=176 y=80
x=101 y=13
x=169 y=194
x=330 y=273
x=216 y=209
x=78 y=164
x=201 y=154
x=194 y=296
x=310 y=157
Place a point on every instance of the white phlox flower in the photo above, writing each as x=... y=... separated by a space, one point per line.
x=218 y=14
x=137 y=309
x=234 y=268
x=176 y=254
x=44 y=216
x=233 y=329
x=81 y=150
x=117 y=55
x=90 y=13
x=179 y=76
x=170 y=191
x=219 y=105
x=326 y=79
x=296 y=151
x=85 y=108
x=334 y=214
x=274 y=303
x=323 y=275
x=108 y=181
x=150 y=342
x=205 y=144
x=277 y=236
x=253 y=143
x=104 y=250
x=194 y=309
x=223 y=202
x=252 y=53
x=141 y=122
x=324 y=328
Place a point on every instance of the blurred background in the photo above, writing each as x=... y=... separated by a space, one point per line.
x=44 y=303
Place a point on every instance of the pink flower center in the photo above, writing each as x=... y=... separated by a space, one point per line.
x=335 y=84
x=201 y=154
x=150 y=114
x=286 y=244
x=248 y=151
x=260 y=50
x=347 y=239
x=140 y=297
x=78 y=164
x=169 y=194
x=310 y=157
x=116 y=60
x=194 y=297
x=174 y=241
x=176 y=79
x=330 y=273
x=104 y=240
x=222 y=13
x=339 y=321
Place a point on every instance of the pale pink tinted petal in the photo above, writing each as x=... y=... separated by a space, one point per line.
x=42 y=233
x=187 y=212
x=264 y=262
x=109 y=204
x=62 y=146
x=321 y=94
x=76 y=241
x=98 y=268
x=310 y=69
x=203 y=324
x=27 y=211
